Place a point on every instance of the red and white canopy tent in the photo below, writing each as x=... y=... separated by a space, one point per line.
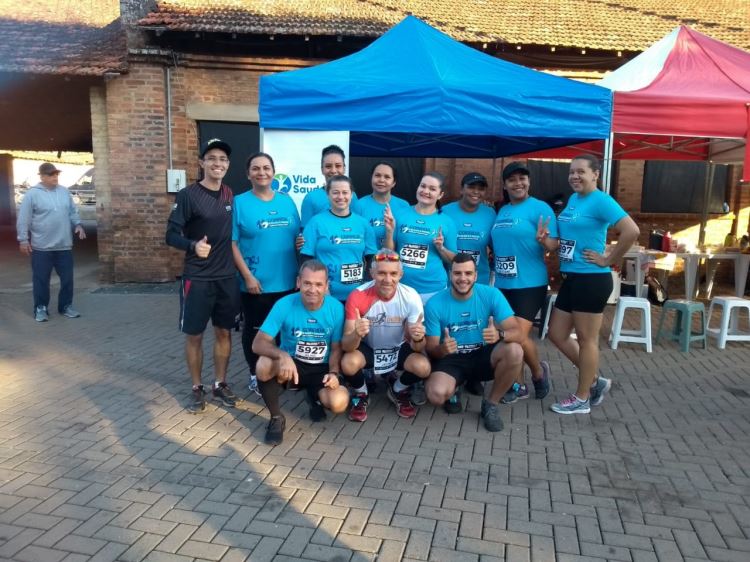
x=687 y=97
x=685 y=85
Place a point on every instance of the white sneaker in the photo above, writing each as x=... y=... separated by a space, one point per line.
x=41 y=314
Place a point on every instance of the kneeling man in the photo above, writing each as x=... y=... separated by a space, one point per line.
x=472 y=334
x=310 y=323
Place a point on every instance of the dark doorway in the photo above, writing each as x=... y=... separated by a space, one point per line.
x=409 y=171
x=244 y=138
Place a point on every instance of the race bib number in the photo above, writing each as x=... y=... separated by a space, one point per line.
x=385 y=360
x=566 y=250
x=414 y=255
x=351 y=273
x=311 y=351
x=506 y=266
x=473 y=253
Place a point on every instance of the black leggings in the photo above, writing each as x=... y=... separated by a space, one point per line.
x=255 y=309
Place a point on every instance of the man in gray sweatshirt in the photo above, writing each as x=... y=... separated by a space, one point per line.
x=46 y=222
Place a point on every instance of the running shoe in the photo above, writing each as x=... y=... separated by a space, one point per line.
x=275 y=430
x=509 y=397
x=197 y=400
x=358 y=408
x=541 y=387
x=317 y=411
x=70 y=312
x=598 y=390
x=474 y=387
x=224 y=394
x=490 y=414
x=418 y=397
x=522 y=392
x=571 y=405
x=402 y=401
x=453 y=404
x=41 y=314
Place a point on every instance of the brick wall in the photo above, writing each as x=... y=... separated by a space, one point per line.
x=135 y=205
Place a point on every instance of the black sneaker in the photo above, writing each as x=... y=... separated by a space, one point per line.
x=317 y=411
x=490 y=414
x=275 y=430
x=224 y=394
x=474 y=387
x=541 y=387
x=197 y=401
x=453 y=404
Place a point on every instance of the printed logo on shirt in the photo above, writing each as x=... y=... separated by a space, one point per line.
x=416 y=230
x=463 y=326
x=309 y=332
x=376 y=222
x=273 y=223
x=505 y=223
x=467 y=235
x=567 y=216
x=281 y=183
x=419 y=221
x=351 y=239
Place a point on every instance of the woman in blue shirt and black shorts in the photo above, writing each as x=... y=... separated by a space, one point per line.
x=587 y=278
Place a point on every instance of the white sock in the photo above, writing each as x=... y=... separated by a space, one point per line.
x=398 y=386
x=361 y=390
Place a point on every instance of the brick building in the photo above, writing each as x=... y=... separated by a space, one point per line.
x=155 y=75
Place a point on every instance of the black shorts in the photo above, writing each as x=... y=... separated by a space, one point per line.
x=526 y=302
x=473 y=366
x=584 y=292
x=311 y=374
x=200 y=300
x=404 y=351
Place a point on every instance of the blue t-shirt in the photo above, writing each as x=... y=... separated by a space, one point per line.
x=423 y=266
x=519 y=258
x=583 y=226
x=372 y=211
x=265 y=232
x=341 y=243
x=316 y=202
x=306 y=335
x=473 y=235
x=466 y=319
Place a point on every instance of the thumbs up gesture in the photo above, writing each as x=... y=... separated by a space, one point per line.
x=490 y=334
x=416 y=330
x=449 y=344
x=439 y=240
x=361 y=325
x=202 y=247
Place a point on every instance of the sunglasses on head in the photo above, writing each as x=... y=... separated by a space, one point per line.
x=387 y=257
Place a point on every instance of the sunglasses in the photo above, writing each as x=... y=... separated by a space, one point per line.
x=387 y=257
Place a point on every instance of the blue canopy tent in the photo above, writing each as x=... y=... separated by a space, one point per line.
x=417 y=92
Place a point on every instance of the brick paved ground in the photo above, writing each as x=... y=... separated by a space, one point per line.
x=99 y=461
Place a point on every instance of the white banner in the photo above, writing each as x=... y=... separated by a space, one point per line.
x=297 y=158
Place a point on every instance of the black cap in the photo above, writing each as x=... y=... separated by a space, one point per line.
x=216 y=143
x=48 y=169
x=474 y=177
x=513 y=168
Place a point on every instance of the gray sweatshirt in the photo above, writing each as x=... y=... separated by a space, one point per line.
x=47 y=217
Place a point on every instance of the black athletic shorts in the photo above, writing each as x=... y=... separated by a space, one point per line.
x=584 y=292
x=473 y=366
x=404 y=351
x=311 y=374
x=200 y=300
x=526 y=302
